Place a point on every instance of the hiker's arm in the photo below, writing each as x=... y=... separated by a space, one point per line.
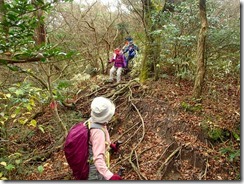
x=113 y=58
x=98 y=148
x=125 y=50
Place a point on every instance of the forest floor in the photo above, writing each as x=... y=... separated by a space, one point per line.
x=166 y=134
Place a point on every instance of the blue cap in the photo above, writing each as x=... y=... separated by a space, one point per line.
x=129 y=39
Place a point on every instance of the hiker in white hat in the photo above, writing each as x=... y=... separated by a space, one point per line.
x=102 y=111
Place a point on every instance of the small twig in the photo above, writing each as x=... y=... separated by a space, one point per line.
x=137 y=162
x=205 y=172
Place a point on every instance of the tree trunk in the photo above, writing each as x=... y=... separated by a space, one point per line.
x=2 y=12
x=40 y=32
x=4 y=26
x=200 y=72
x=151 y=58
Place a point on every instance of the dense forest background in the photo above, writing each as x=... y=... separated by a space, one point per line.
x=177 y=110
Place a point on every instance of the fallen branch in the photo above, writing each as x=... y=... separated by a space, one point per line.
x=135 y=132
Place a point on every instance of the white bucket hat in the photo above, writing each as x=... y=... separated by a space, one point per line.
x=102 y=110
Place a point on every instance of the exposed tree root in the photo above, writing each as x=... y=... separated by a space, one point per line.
x=126 y=132
x=166 y=149
x=136 y=167
x=165 y=164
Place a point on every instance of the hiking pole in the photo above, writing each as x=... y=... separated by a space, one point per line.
x=121 y=171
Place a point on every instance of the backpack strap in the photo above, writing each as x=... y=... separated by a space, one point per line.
x=97 y=126
x=91 y=125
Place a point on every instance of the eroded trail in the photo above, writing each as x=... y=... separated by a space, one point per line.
x=162 y=140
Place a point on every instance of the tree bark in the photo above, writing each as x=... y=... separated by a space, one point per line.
x=151 y=56
x=200 y=71
x=3 y=27
x=40 y=32
x=2 y=11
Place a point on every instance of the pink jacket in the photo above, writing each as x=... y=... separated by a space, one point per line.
x=99 y=148
x=119 y=60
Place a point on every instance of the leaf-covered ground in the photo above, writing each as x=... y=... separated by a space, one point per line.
x=166 y=134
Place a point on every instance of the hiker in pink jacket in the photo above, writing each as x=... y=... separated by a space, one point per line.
x=102 y=111
x=119 y=61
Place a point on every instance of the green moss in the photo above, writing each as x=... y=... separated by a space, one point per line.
x=215 y=133
x=191 y=108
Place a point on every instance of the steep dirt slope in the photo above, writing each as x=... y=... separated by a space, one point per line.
x=166 y=134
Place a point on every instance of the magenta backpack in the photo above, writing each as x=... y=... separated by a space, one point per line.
x=76 y=149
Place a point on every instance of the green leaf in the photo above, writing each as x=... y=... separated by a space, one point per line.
x=33 y=123
x=40 y=169
x=3 y=163
x=15 y=155
x=224 y=150
x=29 y=107
x=18 y=161
x=237 y=137
x=8 y=95
x=13 y=68
x=22 y=121
x=13 y=115
x=17 y=110
x=19 y=92
x=234 y=155
x=41 y=128
x=10 y=167
x=32 y=102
